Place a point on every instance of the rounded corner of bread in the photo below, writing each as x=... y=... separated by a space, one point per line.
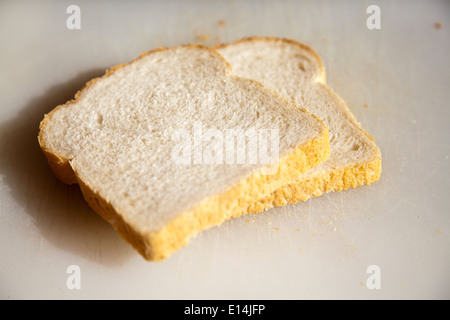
x=61 y=167
x=318 y=63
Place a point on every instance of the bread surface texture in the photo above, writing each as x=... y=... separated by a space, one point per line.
x=296 y=72
x=122 y=136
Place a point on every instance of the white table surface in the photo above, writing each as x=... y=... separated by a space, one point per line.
x=395 y=80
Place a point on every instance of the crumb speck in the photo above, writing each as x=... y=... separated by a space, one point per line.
x=221 y=23
x=314 y=234
x=439 y=231
x=276 y=228
x=202 y=38
x=248 y=220
x=301 y=250
x=366 y=106
x=362 y=284
x=438 y=25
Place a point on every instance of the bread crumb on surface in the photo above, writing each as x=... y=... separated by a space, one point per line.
x=221 y=23
x=202 y=38
x=439 y=231
x=277 y=228
x=438 y=25
x=301 y=250
x=366 y=105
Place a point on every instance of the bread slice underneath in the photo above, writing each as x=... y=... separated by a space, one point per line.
x=118 y=137
x=296 y=72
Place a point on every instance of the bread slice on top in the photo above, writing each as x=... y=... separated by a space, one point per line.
x=296 y=72
x=121 y=137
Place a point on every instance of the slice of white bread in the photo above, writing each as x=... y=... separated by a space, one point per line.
x=118 y=137
x=296 y=72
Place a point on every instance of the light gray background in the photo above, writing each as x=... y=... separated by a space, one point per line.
x=395 y=80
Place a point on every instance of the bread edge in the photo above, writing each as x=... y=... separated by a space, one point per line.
x=317 y=185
